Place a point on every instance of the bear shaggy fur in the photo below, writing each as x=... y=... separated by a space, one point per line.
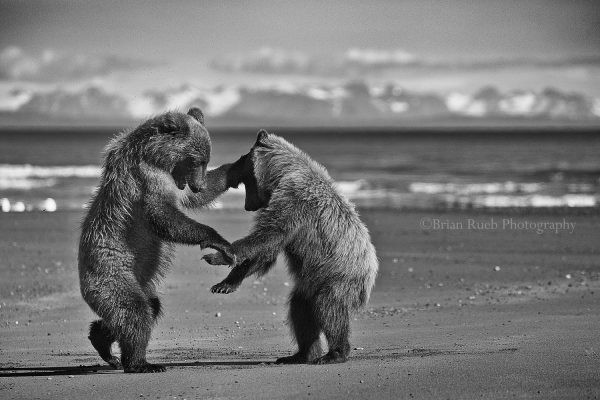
x=328 y=248
x=133 y=220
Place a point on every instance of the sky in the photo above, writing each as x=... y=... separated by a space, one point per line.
x=189 y=31
x=423 y=45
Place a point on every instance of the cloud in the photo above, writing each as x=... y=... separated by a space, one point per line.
x=364 y=61
x=515 y=62
x=51 y=66
x=266 y=60
x=379 y=58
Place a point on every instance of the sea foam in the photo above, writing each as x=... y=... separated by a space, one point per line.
x=475 y=188
x=20 y=171
x=48 y=205
x=26 y=177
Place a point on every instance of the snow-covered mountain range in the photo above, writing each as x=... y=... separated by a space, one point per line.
x=345 y=104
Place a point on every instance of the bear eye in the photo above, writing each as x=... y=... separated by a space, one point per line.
x=175 y=132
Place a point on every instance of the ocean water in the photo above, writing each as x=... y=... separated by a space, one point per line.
x=58 y=169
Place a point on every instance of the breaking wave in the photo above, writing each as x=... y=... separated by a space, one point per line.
x=475 y=188
x=24 y=171
x=532 y=201
x=36 y=185
x=25 y=183
x=26 y=177
x=48 y=205
x=422 y=195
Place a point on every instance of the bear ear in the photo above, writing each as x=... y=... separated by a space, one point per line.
x=197 y=114
x=261 y=138
x=167 y=123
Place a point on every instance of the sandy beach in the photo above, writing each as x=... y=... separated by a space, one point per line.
x=456 y=313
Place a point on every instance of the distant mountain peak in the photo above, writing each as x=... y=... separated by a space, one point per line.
x=353 y=102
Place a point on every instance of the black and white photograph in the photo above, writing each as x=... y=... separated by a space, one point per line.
x=335 y=199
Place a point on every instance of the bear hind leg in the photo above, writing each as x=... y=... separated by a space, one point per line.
x=334 y=315
x=102 y=339
x=134 y=319
x=306 y=330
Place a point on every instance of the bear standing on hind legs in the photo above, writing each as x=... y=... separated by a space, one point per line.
x=133 y=220
x=328 y=248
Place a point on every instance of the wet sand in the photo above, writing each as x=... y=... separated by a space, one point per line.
x=456 y=313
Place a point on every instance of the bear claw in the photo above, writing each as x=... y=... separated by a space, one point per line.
x=223 y=288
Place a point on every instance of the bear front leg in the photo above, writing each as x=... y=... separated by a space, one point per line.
x=233 y=280
x=169 y=223
x=256 y=253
